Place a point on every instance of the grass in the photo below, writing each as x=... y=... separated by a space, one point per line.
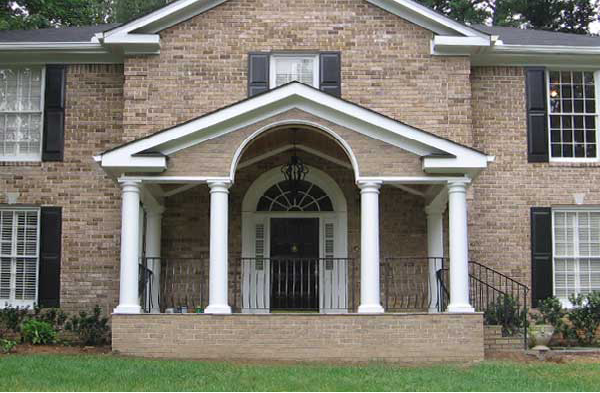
x=110 y=373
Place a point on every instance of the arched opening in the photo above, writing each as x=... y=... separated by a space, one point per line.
x=294 y=244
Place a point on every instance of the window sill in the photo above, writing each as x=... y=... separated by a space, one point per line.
x=20 y=163
x=572 y=164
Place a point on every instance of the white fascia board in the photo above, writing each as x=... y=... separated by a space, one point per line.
x=453 y=46
x=538 y=55
x=135 y=44
x=165 y=17
x=393 y=180
x=447 y=165
x=425 y=17
x=133 y=164
x=57 y=53
x=280 y=100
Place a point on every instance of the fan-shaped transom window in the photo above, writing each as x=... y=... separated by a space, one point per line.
x=309 y=198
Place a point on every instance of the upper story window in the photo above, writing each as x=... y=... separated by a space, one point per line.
x=576 y=251
x=573 y=115
x=287 y=68
x=21 y=113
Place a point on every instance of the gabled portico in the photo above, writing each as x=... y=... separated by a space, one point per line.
x=375 y=150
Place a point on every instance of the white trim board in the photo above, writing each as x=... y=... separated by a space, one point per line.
x=296 y=96
x=182 y=10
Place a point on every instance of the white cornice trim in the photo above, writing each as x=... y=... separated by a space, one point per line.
x=427 y=18
x=182 y=10
x=297 y=96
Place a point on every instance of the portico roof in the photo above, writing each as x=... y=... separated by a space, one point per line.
x=437 y=154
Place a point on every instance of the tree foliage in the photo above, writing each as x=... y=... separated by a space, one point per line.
x=572 y=16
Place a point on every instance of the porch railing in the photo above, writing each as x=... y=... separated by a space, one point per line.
x=405 y=283
x=295 y=284
x=502 y=299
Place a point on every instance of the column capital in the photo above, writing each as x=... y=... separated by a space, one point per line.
x=369 y=186
x=219 y=185
x=130 y=185
x=457 y=186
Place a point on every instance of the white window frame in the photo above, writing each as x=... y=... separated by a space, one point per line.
x=273 y=62
x=11 y=301
x=569 y=209
x=30 y=157
x=597 y=115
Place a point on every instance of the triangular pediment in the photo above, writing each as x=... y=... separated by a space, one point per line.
x=437 y=154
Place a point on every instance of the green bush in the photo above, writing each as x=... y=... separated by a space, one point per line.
x=585 y=317
x=92 y=329
x=54 y=316
x=38 y=332
x=506 y=312
x=11 y=319
x=7 y=345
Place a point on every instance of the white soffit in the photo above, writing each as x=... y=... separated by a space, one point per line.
x=296 y=96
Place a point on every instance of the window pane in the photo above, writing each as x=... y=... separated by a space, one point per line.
x=20 y=134
x=573 y=94
x=294 y=69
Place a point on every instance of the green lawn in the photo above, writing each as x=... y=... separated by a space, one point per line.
x=109 y=373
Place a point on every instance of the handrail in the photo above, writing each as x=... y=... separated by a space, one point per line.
x=490 y=288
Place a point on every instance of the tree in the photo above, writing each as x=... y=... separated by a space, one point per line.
x=465 y=11
x=126 y=10
x=35 y=14
x=572 y=16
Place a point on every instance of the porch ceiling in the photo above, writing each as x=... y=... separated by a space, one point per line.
x=360 y=136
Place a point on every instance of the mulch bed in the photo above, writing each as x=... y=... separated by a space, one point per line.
x=28 y=349
x=554 y=357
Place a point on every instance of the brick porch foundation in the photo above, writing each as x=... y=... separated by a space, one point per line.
x=407 y=338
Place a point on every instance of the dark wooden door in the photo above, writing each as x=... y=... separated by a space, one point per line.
x=295 y=263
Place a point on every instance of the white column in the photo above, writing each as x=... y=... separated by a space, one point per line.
x=435 y=250
x=459 y=246
x=153 y=239
x=369 y=249
x=129 y=302
x=217 y=301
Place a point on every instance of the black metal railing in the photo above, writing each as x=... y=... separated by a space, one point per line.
x=406 y=285
x=502 y=299
x=183 y=284
x=145 y=289
x=294 y=284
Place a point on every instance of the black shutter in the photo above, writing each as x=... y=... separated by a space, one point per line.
x=541 y=254
x=50 y=251
x=54 y=114
x=330 y=74
x=258 y=73
x=537 y=115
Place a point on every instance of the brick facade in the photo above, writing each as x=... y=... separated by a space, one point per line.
x=499 y=213
x=494 y=342
x=404 y=338
x=90 y=200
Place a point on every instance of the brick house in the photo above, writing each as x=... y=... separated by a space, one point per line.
x=253 y=159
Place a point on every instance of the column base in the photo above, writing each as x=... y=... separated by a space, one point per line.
x=224 y=309
x=433 y=310
x=460 y=308
x=127 y=309
x=370 y=309
x=155 y=311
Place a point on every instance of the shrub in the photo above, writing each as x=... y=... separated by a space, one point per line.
x=38 y=332
x=11 y=319
x=54 y=316
x=505 y=311
x=7 y=345
x=92 y=329
x=585 y=317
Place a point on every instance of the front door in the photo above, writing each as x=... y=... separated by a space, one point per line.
x=294 y=263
